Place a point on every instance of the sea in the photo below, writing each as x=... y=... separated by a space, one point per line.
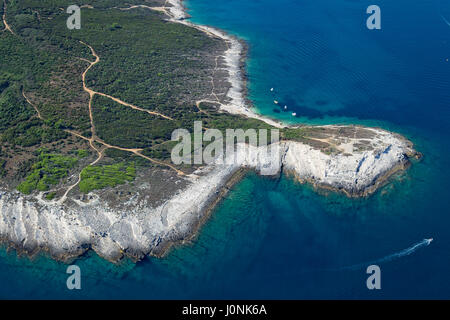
x=276 y=238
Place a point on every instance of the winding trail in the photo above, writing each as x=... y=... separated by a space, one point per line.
x=100 y=153
x=136 y=151
x=92 y=93
x=5 y=23
x=94 y=138
x=64 y=197
x=32 y=104
x=160 y=9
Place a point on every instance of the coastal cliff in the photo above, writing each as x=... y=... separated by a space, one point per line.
x=67 y=230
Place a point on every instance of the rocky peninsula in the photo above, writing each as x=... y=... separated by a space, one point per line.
x=147 y=217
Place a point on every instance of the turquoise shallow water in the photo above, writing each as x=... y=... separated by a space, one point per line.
x=279 y=239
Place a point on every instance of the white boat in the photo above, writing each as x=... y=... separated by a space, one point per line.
x=271 y=89
x=294 y=114
x=275 y=101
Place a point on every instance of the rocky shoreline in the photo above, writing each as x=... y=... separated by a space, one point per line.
x=67 y=230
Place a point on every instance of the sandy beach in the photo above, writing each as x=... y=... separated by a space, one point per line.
x=233 y=59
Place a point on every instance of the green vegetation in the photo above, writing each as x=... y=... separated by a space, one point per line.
x=31 y=133
x=124 y=156
x=129 y=128
x=145 y=60
x=100 y=177
x=2 y=168
x=162 y=65
x=295 y=134
x=23 y=66
x=160 y=152
x=49 y=170
x=82 y=153
x=50 y=195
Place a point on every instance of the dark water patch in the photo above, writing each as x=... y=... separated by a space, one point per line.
x=300 y=109
x=322 y=103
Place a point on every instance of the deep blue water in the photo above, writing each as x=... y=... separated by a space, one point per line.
x=278 y=239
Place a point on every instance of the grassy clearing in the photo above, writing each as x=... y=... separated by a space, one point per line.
x=48 y=171
x=100 y=177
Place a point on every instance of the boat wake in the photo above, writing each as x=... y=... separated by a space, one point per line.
x=397 y=255
x=440 y=13
x=445 y=20
x=403 y=253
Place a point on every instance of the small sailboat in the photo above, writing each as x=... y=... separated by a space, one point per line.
x=285 y=107
x=271 y=89
x=275 y=101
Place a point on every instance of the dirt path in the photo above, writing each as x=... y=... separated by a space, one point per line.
x=94 y=138
x=32 y=104
x=100 y=153
x=7 y=27
x=89 y=91
x=136 y=151
x=133 y=106
x=165 y=10
x=64 y=197
x=160 y=9
x=92 y=93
